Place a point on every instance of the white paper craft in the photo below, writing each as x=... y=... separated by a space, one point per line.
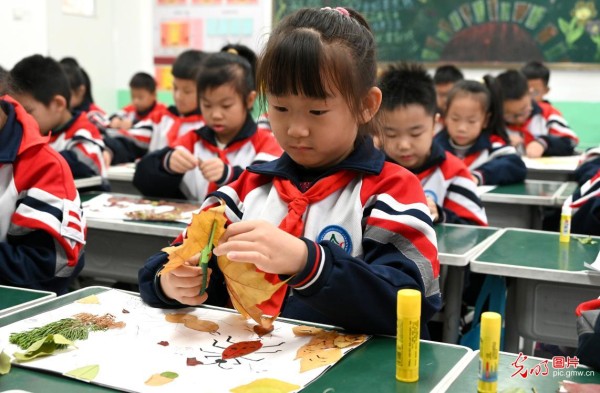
x=116 y=207
x=150 y=345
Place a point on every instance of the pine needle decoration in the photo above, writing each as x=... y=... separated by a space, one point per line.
x=75 y=328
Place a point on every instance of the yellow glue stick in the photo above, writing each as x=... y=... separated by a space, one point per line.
x=408 y=334
x=565 y=223
x=489 y=352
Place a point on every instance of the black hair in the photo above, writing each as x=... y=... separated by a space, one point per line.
x=312 y=51
x=536 y=70
x=513 y=84
x=87 y=98
x=447 y=73
x=187 y=64
x=490 y=96
x=3 y=80
x=41 y=77
x=221 y=68
x=74 y=75
x=244 y=51
x=143 y=80
x=406 y=84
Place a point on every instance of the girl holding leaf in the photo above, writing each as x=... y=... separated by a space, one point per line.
x=332 y=228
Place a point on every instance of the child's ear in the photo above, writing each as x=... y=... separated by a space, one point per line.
x=250 y=99
x=371 y=103
x=59 y=103
x=486 y=120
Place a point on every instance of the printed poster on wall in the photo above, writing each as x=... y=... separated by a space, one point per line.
x=206 y=25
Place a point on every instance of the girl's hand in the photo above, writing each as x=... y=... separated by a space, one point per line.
x=435 y=215
x=184 y=283
x=181 y=161
x=115 y=122
x=126 y=124
x=515 y=140
x=263 y=244
x=212 y=169
x=534 y=149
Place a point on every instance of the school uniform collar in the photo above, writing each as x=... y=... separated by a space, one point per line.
x=248 y=129
x=64 y=127
x=173 y=110
x=536 y=109
x=481 y=143
x=365 y=158
x=13 y=138
x=146 y=112
x=436 y=157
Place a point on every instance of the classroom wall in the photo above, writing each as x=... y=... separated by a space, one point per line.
x=117 y=42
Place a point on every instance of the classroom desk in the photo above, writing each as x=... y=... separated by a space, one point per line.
x=519 y=205
x=547 y=280
x=14 y=298
x=551 y=168
x=117 y=249
x=509 y=363
x=567 y=189
x=368 y=368
x=88 y=182
x=121 y=179
x=456 y=245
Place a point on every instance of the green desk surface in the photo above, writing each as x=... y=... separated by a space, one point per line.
x=467 y=381
x=368 y=368
x=539 y=255
x=456 y=243
x=531 y=192
x=13 y=298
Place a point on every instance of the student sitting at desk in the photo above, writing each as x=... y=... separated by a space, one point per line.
x=41 y=86
x=42 y=232
x=538 y=78
x=330 y=182
x=536 y=129
x=444 y=79
x=143 y=102
x=408 y=113
x=586 y=200
x=162 y=128
x=216 y=154
x=475 y=133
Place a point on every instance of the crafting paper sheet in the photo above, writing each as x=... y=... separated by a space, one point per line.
x=129 y=356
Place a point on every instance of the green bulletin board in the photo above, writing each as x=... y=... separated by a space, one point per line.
x=475 y=31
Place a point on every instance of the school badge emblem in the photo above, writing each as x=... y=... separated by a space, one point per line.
x=337 y=235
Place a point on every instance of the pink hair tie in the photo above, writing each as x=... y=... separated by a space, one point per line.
x=341 y=10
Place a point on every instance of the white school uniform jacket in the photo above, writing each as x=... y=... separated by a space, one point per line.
x=490 y=159
x=447 y=180
x=365 y=241
x=42 y=230
x=250 y=146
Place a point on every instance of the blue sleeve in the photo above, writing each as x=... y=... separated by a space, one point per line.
x=29 y=261
x=586 y=219
x=557 y=146
x=123 y=150
x=505 y=169
x=360 y=294
x=587 y=170
x=153 y=180
x=80 y=170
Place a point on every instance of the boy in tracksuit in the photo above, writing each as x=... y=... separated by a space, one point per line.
x=536 y=129
x=408 y=111
x=42 y=231
x=42 y=88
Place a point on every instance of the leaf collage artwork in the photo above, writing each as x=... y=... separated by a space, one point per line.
x=193 y=349
x=247 y=287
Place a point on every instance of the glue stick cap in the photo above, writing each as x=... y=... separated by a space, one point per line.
x=491 y=323
x=409 y=303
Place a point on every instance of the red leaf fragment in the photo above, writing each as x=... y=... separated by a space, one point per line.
x=193 y=362
x=163 y=343
x=241 y=349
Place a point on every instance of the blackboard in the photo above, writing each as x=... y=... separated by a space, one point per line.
x=476 y=31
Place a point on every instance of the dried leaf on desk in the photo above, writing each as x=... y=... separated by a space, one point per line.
x=161 y=379
x=320 y=358
x=176 y=317
x=248 y=288
x=43 y=347
x=266 y=385
x=304 y=330
x=4 y=363
x=198 y=233
x=201 y=325
x=87 y=373
x=586 y=240
x=241 y=348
